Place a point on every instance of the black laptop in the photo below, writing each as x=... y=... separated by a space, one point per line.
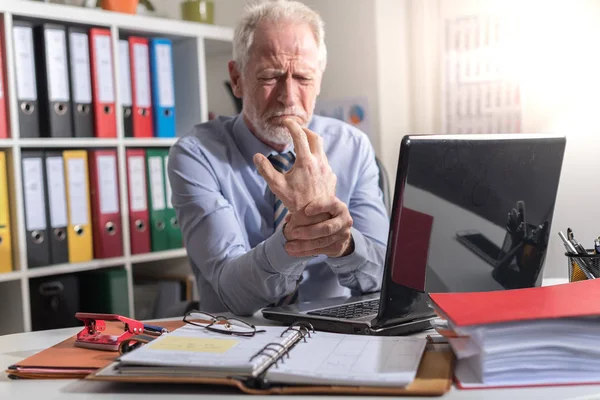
x=470 y=213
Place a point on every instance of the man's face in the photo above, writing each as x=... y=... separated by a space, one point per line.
x=282 y=79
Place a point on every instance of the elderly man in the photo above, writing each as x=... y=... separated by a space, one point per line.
x=277 y=205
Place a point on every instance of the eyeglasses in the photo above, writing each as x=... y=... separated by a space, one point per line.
x=221 y=324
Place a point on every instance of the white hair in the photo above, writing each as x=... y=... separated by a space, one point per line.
x=274 y=11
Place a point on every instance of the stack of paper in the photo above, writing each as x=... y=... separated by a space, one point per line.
x=524 y=337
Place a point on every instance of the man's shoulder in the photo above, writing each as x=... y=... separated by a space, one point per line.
x=328 y=126
x=207 y=135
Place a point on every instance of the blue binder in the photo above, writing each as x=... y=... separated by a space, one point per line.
x=163 y=87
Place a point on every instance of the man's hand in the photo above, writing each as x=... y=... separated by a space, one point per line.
x=323 y=227
x=310 y=177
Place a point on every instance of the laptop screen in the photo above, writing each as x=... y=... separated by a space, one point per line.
x=472 y=213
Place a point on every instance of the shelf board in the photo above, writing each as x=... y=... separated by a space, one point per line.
x=149 y=142
x=5 y=143
x=67 y=142
x=157 y=256
x=132 y=23
x=77 y=267
x=10 y=276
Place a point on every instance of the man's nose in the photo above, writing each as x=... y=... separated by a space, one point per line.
x=287 y=92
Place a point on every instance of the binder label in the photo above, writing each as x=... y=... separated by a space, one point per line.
x=166 y=97
x=168 y=184
x=104 y=71
x=56 y=64
x=35 y=211
x=57 y=198
x=24 y=63
x=157 y=187
x=78 y=201
x=142 y=75
x=80 y=68
x=137 y=184
x=107 y=181
x=124 y=74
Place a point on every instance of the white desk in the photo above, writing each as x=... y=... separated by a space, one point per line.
x=13 y=348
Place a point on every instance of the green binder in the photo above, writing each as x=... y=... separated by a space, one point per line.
x=157 y=204
x=175 y=240
x=104 y=291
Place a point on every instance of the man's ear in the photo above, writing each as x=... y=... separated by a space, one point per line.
x=236 y=79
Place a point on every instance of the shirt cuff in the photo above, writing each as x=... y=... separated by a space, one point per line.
x=354 y=260
x=280 y=261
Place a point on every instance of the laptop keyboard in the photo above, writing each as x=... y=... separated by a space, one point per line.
x=349 y=311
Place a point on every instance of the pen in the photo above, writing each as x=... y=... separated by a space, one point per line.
x=597 y=245
x=571 y=249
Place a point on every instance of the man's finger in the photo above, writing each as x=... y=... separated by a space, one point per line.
x=297 y=246
x=266 y=170
x=323 y=229
x=314 y=141
x=331 y=205
x=301 y=146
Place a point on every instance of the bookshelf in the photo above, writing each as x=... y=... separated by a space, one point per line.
x=198 y=49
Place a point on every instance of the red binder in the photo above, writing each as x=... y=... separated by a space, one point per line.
x=3 y=90
x=106 y=214
x=103 y=89
x=575 y=299
x=139 y=57
x=139 y=227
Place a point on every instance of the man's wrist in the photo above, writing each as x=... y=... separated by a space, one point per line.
x=350 y=248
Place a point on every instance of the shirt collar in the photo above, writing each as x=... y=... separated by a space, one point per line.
x=249 y=144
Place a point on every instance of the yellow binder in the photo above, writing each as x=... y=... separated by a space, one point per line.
x=6 y=260
x=79 y=229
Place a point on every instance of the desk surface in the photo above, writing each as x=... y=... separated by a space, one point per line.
x=14 y=348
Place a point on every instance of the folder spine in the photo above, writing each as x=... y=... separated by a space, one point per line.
x=80 y=81
x=163 y=87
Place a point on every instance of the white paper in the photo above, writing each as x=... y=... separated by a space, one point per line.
x=35 y=210
x=56 y=65
x=77 y=188
x=168 y=184
x=331 y=358
x=124 y=74
x=80 y=68
x=107 y=181
x=137 y=184
x=24 y=63
x=157 y=187
x=142 y=75
x=164 y=63
x=55 y=173
x=104 y=69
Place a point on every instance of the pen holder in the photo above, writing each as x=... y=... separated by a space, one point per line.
x=577 y=263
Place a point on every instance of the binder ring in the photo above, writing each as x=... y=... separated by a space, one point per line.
x=107 y=109
x=27 y=107
x=160 y=225
x=60 y=234
x=60 y=108
x=127 y=111
x=38 y=237
x=168 y=113
x=262 y=351
x=78 y=230
x=110 y=228
x=140 y=225
x=142 y=111
x=302 y=327
x=83 y=109
x=174 y=222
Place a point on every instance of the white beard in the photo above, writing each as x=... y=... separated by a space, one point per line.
x=266 y=131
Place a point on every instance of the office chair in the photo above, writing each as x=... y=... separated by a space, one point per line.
x=384 y=185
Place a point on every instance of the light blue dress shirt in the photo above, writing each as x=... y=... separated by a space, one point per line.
x=225 y=211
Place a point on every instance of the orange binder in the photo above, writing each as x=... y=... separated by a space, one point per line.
x=103 y=90
x=140 y=87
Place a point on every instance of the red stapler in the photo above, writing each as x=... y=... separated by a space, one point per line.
x=92 y=337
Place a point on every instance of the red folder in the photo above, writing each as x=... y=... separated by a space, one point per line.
x=103 y=89
x=139 y=225
x=575 y=299
x=106 y=215
x=139 y=57
x=3 y=90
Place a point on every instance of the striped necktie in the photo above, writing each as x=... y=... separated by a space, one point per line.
x=283 y=162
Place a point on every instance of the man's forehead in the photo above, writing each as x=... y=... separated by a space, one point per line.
x=288 y=40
